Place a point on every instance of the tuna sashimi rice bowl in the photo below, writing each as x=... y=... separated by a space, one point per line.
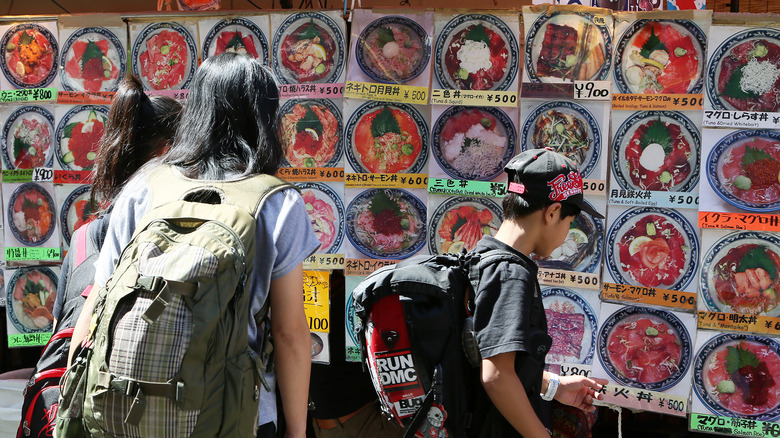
x=736 y=375
x=79 y=134
x=165 y=57
x=29 y=56
x=94 y=59
x=31 y=292
x=310 y=131
x=460 y=222
x=473 y=143
x=31 y=214
x=28 y=136
x=393 y=49
x=386 y=223
x=236 y=35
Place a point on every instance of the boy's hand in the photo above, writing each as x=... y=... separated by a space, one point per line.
x=580 y=391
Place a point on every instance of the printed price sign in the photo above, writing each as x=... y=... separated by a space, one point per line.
x=593 y=90
x=180 y=95
x=42 y=174
x=568 y=369
x=311 y=91
x=740 y=119
x=363 y=267
x=463 y=187
x=474 y=98
x=386 y=180
x=557 y=277
x=387 y=92
x=28 y=95
x=657 y=102
x=18 y=175
x=641 y=399
x=72 y=177
x=85 y=97
x=28 y=339
x=541 y=90
x=739 y=323
x=647 y=198
x=316 y=300
x=733 y=426
x=648 y=295
x=594 y=187
x=739 y=221
x=324 y=261
x=25 y=253
x=311 y=174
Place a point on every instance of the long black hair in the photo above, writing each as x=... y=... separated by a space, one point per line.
x=138 y=129
x=229 y=121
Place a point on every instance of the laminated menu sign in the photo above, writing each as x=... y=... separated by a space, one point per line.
x=385 y=224
x=392 y=49
x=741 y=168
x=28 y=95
x=743 y=73
x=649 y=296
x=30 y=295
x=645 y=349
x=309 y=49
x=652 y=247
x=572 y=321
x=477 y=52
x=316 y=303
x=386 y=138
x=350 y=337
x=325 y=206
x=655 y=159
x=574 y=129
x=735 y=376
x=28 y=136
x=472 y=143
x=312 y=134
x=567 y=43
x=740 y=273
x=163 y=55
x=659 y=53
x=30 y=55
x=93 y=59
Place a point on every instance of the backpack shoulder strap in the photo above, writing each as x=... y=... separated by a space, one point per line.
x=477 y=262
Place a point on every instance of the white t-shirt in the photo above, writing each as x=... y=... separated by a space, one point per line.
x=277 y=252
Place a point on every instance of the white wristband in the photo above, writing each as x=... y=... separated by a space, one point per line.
x=552 y=387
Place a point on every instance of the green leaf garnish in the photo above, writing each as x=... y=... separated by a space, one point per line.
x=739 y=357
x=657 y=132
x=384 y=122
x=754 y=154
x=384 y=35
x=309 y=120
x=25 y=38
x=236 y=42
x=757 y=258
x=653 y=43
x=458 y=223
x=734 y=90
x=310 y=32
x=28 y=204
x=69 y=129
x=19 y=146
x=478 y=33
x=92 y=51
x=33 y=288
x=381 y=202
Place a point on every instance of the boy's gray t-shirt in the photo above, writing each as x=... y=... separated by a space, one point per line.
x=284 y=238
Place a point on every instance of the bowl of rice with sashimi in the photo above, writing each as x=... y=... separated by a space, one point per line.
x=473 y=143
x=30 y=296
x=386 y=223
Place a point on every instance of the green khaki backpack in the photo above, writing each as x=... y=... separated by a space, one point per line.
x=169 y=354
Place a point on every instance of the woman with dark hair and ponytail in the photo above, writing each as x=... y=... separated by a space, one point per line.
x=227 y=133
x=139 y=128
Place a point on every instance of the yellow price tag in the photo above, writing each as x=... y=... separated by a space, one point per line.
x=316 y=300
x=387 y=92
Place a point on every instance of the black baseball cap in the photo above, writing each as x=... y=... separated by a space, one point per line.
x=544 y=175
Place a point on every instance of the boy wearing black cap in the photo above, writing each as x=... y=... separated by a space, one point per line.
x=544 y=196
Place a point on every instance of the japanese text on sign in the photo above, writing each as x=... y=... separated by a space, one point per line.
x=32 y=253
x=547 y=90
x=739 y=322
x=463 y=187
x=363 y=267
x=85 y=97
x=316 y=300
x=72 y=177
x=668 y=102
x=739 y=221
x=741 y=119
x=648 y=295
x=556 y=277
x=387 y=180
x=17 y=175
x=734 y=426
x=324 y=261
x=311 y=174
x=387 y=92
x=647 y=198
x=28 y=95
x=645 y=400
x=311 y=91
x=474 y=98
x=28 y=339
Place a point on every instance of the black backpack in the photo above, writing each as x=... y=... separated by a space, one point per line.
x=417 y=339
x=42 y=393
